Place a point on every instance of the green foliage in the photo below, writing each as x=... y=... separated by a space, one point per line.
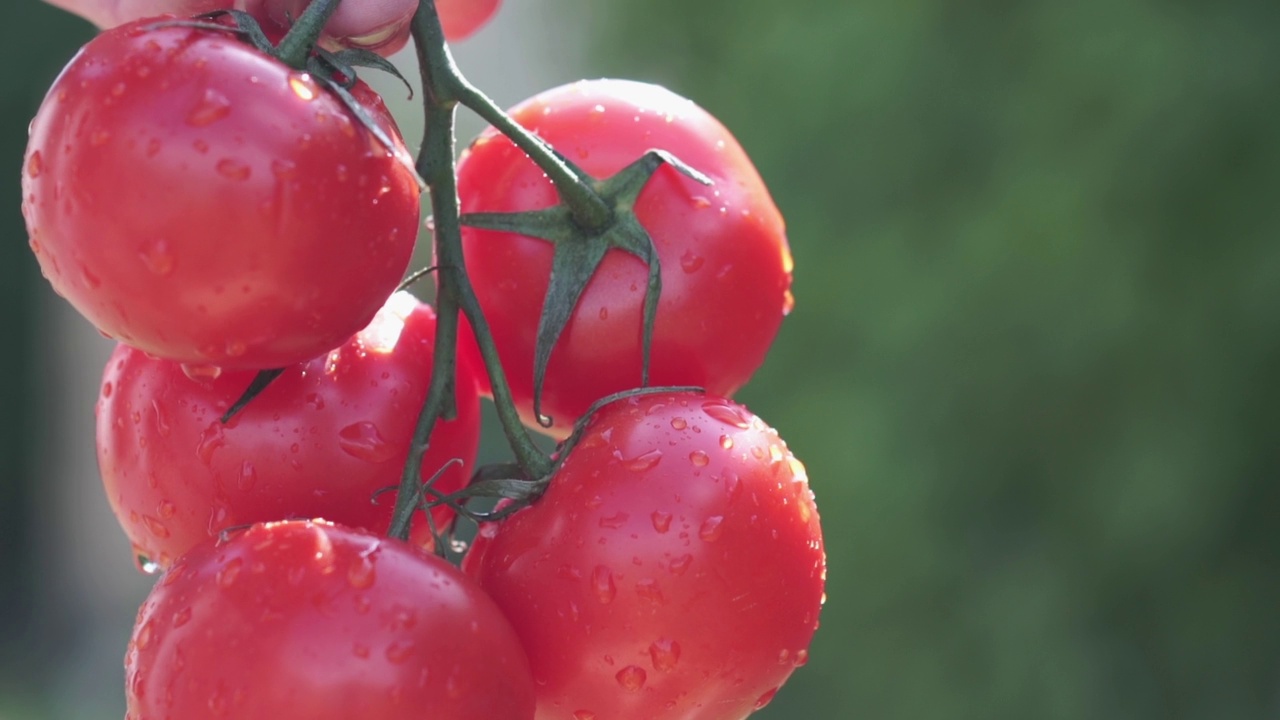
x=1030 y=368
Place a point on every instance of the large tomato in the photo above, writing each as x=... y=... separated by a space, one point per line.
x=673 y=569
x=315 y=621
x=204 y=203
x=726 y=267
x=320 y=441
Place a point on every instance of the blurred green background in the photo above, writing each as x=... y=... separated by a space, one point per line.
x=1030 y=369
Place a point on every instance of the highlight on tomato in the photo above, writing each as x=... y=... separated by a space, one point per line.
x=673 y=569
x=205 y=203
x=321 y=440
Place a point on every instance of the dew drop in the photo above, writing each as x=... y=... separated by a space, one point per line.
x=664 y=653
x=200 y=373
x=632 y=678
x=690 y=263
x=107 y=389
x=227 y=574
x=643 y=462
x=363 y=441
x=144 y=563
x=614 y=521
x=765 y=699
x=648 y=589
x=711 y=528
x=35 y=164
x=679 y=423
x=233 y=169
x=399 y=651
x=166 y=509
x=679 y=565
x=583 y=715
x=213 y=106
x=602 y=583
x=248 y=476
x=361 y=574
x=801 y=657
x=182 y=617
x=699 y=458
x=728 y=414
x=211 y=439
x=315 y=401
x=700 y=202
x=661 y=521
x=162 y=419
x=157 y=257
x=155 y=527
x=788 y=303
x=284 y=169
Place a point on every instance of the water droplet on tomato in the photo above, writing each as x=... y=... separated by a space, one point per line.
x=155 y=527
x=664 y=653
x=90 y=279
x=614 y=521
x=765 y=699
x=648 y=589
x=726 y=442
x=583 y=715
x=213 y=106
x=679 y=565
x=701 y=203
x=361 y=574
x=399 y=651
x=107 y=389
x=227 y=574
x=248 y=476
x=661 y=521
x=711 y=528
x=211 y=439
x=166 y=509
x=689 y=262
x=699 y=458
x=679 y=423
x=35 y=164
x=602 y=583
x=788 y=303
x=233 y=169
x=632 y=678
x=157 y=256
x=201 y=373
x=644 y=461
x=801 y=657
x=144 y=563
x=363 y=441
x=725 y=413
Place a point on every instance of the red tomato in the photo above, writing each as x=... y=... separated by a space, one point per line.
x=673 y=569
x=202 y=202
x=726 y=267
x=461 y=18
x=316 y=621
x=318 y=442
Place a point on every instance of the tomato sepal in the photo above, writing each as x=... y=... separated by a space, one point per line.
x=579 y=252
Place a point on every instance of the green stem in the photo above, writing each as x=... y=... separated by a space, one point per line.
x=454 y=294
x=589 y=210
x=296 y=46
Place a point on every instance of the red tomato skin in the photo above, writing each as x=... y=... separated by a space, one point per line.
x=311 y=620
x=462 y=18
x=319 y=442
x=206 y=204
x=673 y=569
x=726 y=266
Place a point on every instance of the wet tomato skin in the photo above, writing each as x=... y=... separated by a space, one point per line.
x=206 y=204
x=306 y=619
x=674 y=569
x=320 y=441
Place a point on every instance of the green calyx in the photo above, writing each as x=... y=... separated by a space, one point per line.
x=579 y=250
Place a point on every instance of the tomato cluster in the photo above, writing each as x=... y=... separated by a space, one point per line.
x=241 y=225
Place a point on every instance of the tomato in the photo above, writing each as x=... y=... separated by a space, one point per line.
x=320 y=441
x=461 y=18
x=202 y=202
x=726 y=267
x=316 y=621
x=673 y=569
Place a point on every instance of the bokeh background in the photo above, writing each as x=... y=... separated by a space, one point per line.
x=1031 y=369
